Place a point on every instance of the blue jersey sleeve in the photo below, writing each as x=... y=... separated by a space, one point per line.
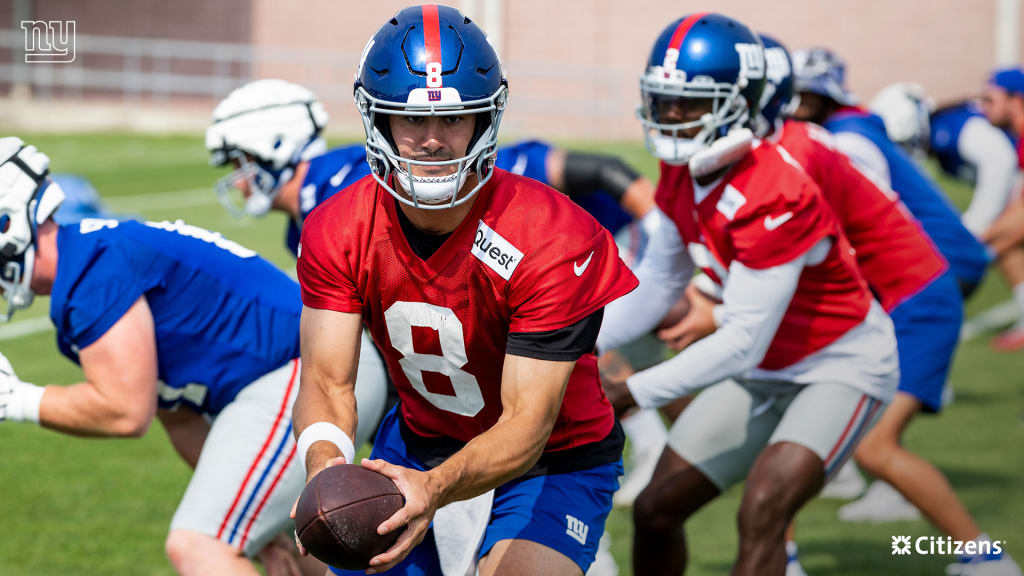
x=529 y=158
x=104 y=287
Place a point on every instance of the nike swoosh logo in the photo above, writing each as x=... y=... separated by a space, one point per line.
x=579 y=270
x=773 y=223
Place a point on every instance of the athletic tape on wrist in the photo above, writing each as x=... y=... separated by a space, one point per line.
x=329 y=433
x=25 y=401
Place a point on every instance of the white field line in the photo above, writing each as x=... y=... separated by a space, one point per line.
x=20 y=328
x=161 y=200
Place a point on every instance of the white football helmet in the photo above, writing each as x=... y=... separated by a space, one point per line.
x=28 y=197
x=266 y=128
x=906 y=111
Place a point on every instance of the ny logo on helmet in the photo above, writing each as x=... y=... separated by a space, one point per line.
x=751 y=60
x=778 y=64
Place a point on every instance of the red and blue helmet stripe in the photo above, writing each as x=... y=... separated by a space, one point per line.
x=431 y=47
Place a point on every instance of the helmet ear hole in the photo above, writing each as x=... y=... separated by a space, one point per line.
x=5 y=223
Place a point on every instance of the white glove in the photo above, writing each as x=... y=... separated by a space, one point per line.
x=19 y=401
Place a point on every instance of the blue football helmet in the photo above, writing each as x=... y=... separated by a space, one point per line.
x=701 y=56
x=820 y=71
x=80 y=200
x=778 y=101
x=430 y=61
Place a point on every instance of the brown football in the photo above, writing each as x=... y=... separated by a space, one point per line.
x=339 y=512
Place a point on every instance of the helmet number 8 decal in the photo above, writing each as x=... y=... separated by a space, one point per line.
x=433 y=74
x=400 y=318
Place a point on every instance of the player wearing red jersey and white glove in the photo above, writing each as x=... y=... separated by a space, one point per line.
x=804 y=358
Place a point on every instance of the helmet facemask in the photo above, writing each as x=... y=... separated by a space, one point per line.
x=431 y=192
x=265 y=129
x=263 y=184
x=15 y=282
x=668 y=140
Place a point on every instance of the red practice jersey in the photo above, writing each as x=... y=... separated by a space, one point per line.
x=763 y=213
x=895 y=255
x=525 y=259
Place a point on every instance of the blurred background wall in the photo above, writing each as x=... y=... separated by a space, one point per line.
x=159 y=65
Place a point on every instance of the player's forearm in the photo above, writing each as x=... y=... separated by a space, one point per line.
x=638 y=199
x=493 y=458
x=320 y=400
x=83 y=410
x=755 y=302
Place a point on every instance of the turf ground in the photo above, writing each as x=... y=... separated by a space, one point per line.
x=101 y=507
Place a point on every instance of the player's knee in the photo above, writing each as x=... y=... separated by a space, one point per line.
x=651 y=514
x=177 y=546
x=874 y=455
x=762 y=510
x=183 y=546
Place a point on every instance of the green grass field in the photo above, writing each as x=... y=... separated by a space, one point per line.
x=101 y=507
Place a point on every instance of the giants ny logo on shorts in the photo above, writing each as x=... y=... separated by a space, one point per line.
x=576 y=529
x=491 y=249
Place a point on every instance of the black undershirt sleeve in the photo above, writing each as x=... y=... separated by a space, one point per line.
x=562 y=345
x=586 y=173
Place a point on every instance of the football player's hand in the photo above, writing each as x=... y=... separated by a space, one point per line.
x=1008 y=230
x=619 y=395
x=278 y=558
x=8 y=385
x=698 y=322
x=421 y=501
x=309 y=476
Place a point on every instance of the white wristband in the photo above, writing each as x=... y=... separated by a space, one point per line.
x=25 y=401
x=329 y=433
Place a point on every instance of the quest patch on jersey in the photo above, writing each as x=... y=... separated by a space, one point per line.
x=491 y=249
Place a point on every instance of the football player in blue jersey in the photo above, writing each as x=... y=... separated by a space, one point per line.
x=819 y=78
x=965 y=143
x=1003 y=104
x=170 y=321
x=968 y=147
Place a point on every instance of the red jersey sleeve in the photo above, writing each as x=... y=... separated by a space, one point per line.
x=326 y=265
x=788 y=223
x=566 y=281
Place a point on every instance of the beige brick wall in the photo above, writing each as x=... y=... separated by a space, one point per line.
x=573 y=64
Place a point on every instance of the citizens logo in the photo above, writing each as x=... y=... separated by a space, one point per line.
x=900 y=545
x=945 y=546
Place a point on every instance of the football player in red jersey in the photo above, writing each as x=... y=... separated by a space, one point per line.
x=485 y=292
x=804 y=359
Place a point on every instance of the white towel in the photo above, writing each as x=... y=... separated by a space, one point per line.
x=459 y=530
